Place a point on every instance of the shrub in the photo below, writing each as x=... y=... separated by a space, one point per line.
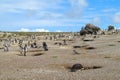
x=110 y=27
x=89 y=29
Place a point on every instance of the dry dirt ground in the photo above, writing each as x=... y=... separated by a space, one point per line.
x=55 y=63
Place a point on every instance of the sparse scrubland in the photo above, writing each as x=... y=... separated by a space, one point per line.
x=100 y=58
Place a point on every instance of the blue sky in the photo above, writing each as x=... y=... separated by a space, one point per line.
x=57 y=15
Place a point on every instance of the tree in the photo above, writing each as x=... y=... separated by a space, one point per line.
x=110 y=27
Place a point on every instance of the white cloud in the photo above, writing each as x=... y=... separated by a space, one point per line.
x=41 y=30
x=78 y=3
x=50 y=23
x=116 y=18
x=19 y=5
x=110 y=10
x=31 y=5
x=77 y=8
x=32 y=30
x=50 y=15
x=58 y=31
x=44 y=13
x=24 y=30
x=14 y=11
x=97 y=20
x=28 y=4
x=40 y=6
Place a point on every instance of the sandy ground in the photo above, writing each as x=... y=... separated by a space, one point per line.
x=54 y=64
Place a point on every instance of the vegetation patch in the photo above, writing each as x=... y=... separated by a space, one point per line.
x=54 y=56
x=111 y=45
x=74 y=59
x=107 y=57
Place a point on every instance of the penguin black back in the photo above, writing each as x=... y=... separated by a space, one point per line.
x=76 y=67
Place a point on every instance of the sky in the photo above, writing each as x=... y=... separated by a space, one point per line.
x=57 y=15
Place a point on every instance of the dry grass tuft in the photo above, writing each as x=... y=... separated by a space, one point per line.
x=111 y=45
